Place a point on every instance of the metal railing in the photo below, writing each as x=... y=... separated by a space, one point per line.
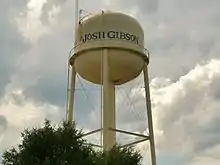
x=145 y=50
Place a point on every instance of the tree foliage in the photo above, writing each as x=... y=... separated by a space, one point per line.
x=64 y=145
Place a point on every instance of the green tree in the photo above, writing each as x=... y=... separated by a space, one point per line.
x=119 y=156
x=64 y=145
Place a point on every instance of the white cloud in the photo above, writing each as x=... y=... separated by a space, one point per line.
x=210 y=156
x=185 y=100
x=21 y=113
x=184 y=111
x=30 y=20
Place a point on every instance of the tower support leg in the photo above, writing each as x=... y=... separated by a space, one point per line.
x=71 y=94
x=149 y=115
x=108 y=114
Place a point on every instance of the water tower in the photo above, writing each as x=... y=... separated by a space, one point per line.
x=110 y=52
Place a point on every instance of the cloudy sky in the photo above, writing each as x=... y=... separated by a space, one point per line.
x=184 y=40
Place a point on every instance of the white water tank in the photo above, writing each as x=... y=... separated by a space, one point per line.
x=122 y=35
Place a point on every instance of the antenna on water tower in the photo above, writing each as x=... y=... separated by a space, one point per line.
x=109 y=51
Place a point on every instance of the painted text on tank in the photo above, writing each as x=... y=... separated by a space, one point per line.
x=110 y=35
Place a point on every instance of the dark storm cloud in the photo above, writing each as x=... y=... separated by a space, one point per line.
x=51 y=52
x=50 y=89
x=184 y=32
x=11 y=43
x=209 y=140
